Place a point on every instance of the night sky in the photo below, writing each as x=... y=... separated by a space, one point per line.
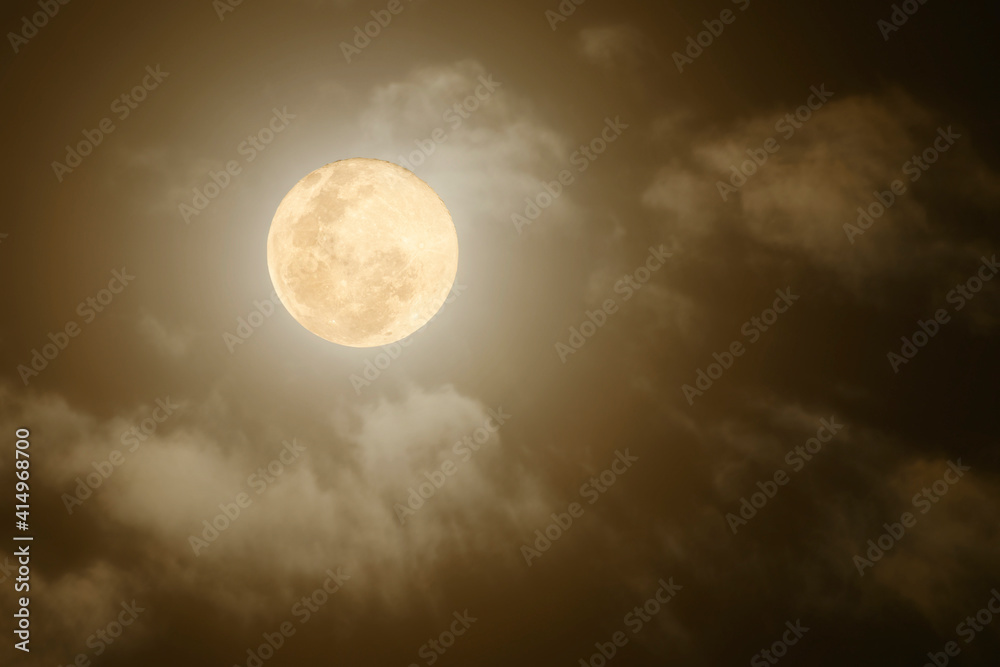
x=715 y=384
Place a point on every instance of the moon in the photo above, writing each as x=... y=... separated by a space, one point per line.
x=362 y=252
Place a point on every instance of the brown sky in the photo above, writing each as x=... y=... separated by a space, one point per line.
x=640 y=240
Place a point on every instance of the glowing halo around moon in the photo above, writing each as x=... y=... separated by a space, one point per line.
x=362 y=252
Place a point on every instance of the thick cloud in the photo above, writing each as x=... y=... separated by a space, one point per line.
x=386 y=489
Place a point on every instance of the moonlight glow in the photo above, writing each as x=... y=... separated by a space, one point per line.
x=362 y=252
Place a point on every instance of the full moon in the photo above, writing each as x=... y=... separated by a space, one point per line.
x=362 y=252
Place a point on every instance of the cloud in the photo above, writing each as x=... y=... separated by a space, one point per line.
x=802 y=540
x=946 y=550
x=802 y=197
x=68 y=609
x=495 y=148
x=335 y=504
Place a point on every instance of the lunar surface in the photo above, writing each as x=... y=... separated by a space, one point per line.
x=362 y=252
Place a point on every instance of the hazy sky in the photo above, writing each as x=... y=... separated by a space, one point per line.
x=672 y=366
